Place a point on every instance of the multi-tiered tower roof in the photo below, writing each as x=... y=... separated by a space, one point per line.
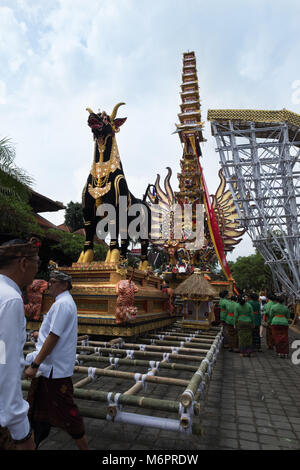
x=190 y=125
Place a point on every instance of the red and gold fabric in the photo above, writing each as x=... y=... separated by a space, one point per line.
x=280 y=334
x=212 y=221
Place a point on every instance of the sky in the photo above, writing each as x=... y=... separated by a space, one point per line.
x=59 y=57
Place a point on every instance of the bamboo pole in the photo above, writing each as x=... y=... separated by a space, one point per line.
x=82 y=338
x=184 y=344
x=213 y=330
x=185 y=335
x=115 y=341
x=132 y=376
x=157 y=404
x=188 y=395
x=152 y=353
x=83 y=382
x=178 y=338
x=139 y=363
x=89 y=412
x=157 y=345
x=138 y=386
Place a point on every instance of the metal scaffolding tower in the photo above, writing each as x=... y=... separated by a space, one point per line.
x=260 y=156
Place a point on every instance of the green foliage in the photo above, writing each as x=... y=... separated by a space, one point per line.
x=16 y=215
x=74 y=216
x=17 y=218
x=133 y=261
x=14 y=181
x=69 y=246
x=250 y=272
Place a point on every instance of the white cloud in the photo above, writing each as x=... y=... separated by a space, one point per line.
x=2 y=92
x=12 y=41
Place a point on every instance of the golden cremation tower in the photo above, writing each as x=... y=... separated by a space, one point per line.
x=190 y=125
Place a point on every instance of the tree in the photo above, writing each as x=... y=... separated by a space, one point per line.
x=14 y=181
x=16 y=216
x=74 y=216
x=251 y=273
x=69 y=246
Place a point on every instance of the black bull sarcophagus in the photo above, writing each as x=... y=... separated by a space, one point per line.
x=105 y=189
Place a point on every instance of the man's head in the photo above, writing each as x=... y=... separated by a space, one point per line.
x=59 y=282
x=19 y=260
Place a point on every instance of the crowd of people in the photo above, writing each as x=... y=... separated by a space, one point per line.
x=244 y=317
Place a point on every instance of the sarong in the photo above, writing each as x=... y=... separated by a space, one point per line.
x=225 y=335
x=280 y=335
x=51 y=404
x=269 y=337
x=245 y=337
x=256 y=338
x=6 y=441
x=232 y=337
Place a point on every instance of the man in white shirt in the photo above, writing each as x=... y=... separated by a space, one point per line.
x=51 y=393
x=18 y=266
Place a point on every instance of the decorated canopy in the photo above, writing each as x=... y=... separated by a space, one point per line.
x=196 y=288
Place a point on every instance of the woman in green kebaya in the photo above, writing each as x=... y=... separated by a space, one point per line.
x=244 y=321
x=224 y=304
x=230 y=325
x=257 y=321
x=279 y=319
x=271 y=302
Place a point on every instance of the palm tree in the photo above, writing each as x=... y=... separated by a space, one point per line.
x=14 y=181
x=16 y=215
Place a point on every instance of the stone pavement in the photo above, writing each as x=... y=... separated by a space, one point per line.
x=251 y=403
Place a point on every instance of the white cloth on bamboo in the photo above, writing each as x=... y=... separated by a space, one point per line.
x=13 y=408
x=62 y=321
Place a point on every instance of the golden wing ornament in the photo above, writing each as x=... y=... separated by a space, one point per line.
x=227 y=216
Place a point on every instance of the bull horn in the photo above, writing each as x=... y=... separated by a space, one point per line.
x=90 y=110
x=114 y=112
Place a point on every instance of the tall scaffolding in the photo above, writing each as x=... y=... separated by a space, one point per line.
x=260 y=156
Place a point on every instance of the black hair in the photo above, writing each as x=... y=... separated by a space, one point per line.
x=280 y=299
x=223 y=293
x=253 y=296
x=271 y=296
x=234 y=298
x=241 y=299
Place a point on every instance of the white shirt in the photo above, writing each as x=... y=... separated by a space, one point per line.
x=62 y=321
x=13 y=408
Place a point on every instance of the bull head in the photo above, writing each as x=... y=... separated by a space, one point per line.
x=102 y=124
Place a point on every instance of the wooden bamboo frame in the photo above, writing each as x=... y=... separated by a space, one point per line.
x=148 y=353
x=172 y=353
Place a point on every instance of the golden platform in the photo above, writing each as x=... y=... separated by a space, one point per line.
x=94 y=292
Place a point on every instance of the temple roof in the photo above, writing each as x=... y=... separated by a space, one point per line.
x=40 y=203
